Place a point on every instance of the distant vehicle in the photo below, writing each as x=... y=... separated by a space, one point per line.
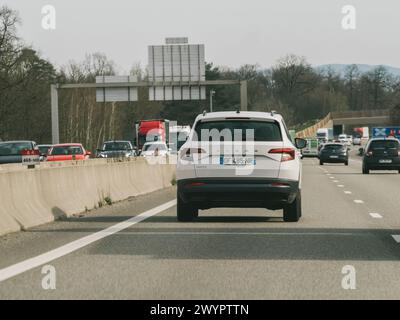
x=357 y=141
x=207 y=177
x=334 y=153
x=68 y=152
x=151 y=131
x=325 y=134
x=312 y=148
x=381 y=154
x=116 y=149
x=362 y=132
x=44 y=151
x=11 y=151
x=345 y=139
x=155 y=149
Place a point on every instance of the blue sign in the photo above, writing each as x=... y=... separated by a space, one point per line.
x=386 y=132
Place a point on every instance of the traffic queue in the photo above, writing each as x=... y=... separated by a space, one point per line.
x=152 y=138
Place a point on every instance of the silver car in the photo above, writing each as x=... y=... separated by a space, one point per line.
x=11 y=151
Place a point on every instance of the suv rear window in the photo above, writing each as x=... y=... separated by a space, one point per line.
x=383 y=145
x=238 y=130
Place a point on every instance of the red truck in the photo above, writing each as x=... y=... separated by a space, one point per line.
x=151 y=130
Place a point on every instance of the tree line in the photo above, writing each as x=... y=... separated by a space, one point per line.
x=292 y=87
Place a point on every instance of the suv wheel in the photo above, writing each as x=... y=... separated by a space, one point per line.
x=346 y=163
x=186 y=212
x=321 y=163
x=365 y=170
x=292 y=212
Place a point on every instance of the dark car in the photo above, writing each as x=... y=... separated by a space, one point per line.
x=381 y=154
x=116 y=149
x=11 y=151
x=334 y=153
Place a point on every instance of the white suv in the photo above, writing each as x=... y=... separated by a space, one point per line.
x=239 y=160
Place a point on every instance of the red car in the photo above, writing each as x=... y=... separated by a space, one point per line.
x=68 y=152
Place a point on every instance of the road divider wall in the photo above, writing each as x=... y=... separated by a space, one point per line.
x=31 y=197
x=311 y=132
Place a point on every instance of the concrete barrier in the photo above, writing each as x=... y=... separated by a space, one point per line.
x=311 y=132
x=29 y=198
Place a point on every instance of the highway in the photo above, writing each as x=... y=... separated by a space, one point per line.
x=348 y=219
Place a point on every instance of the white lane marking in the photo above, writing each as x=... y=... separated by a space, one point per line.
x=375 y=215
x=340 y=186
x=335 y=181
x=32 y=263
x=331 y=177
x=348 y=192
x=396 y=237
x=247 y=233
x=358 y=201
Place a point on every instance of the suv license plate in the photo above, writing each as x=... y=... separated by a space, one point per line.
x=334 y=157
x=385 y=161
x=237 y=161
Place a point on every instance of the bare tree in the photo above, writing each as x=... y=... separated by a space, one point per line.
x=294 y=77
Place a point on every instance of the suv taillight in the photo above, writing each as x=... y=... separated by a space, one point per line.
x=288 y=154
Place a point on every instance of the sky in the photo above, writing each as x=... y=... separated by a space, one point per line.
x=234 y=32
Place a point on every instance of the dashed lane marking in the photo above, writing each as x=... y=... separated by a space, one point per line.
x=375 y=215
x=396 y=237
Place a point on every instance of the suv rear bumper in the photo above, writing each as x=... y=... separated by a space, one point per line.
x=205 y=193
x=373 y=163
x=340 y=159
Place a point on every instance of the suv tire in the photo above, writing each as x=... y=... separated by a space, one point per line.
x=292 y=212
x=321 y=163
x=186 y=212
x=365 y=170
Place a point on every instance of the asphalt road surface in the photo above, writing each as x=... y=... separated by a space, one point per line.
x=137 y=250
